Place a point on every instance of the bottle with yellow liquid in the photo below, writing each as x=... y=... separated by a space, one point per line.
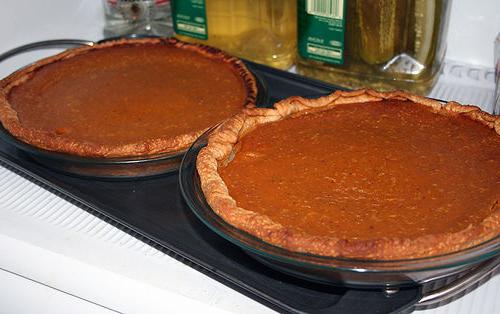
x=382 y=44
x=263 y=31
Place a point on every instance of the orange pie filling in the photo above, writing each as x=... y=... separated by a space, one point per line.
x=403 y=172
x=358 y=174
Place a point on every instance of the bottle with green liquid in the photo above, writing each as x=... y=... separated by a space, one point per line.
x=381 y=44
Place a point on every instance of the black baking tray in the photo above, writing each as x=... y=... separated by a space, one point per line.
x=153 y=210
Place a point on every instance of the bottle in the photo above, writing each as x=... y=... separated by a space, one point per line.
x=382 y=44
x=137 y=17
x=263 y=31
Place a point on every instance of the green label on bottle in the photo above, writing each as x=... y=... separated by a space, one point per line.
x=190 y=18
x=321 y=28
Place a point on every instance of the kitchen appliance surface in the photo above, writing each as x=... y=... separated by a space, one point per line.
x=154 y=211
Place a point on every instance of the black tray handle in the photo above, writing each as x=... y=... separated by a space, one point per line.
x=475 y=276
x=411 y=298
x=363 y=301
x=55 y=43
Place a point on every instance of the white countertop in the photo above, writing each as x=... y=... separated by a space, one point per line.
x=57 y=258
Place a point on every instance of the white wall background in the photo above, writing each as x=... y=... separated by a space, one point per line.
x=472 y=31
x=473 y=25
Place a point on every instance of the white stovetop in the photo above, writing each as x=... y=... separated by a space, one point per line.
x=57 y=258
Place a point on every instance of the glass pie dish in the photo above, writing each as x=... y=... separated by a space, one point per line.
x=104 y=168
x=356 y=273
x=99 y=167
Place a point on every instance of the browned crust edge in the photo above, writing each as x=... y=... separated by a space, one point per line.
x=221 y=149
x=51 y=141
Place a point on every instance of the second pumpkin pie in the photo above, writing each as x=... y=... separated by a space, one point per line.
x=136 y=97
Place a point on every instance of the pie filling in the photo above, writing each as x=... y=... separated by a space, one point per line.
x=369 y=171
x=128 y=93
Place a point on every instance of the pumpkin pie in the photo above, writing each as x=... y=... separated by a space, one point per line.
x=134 y=97
x=362 y=174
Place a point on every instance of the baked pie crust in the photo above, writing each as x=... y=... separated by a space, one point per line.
x=90 y=97
x=247 y=192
